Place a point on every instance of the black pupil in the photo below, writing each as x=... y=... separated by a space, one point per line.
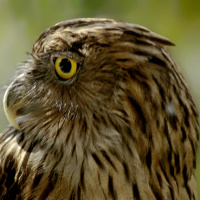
x=65 y=65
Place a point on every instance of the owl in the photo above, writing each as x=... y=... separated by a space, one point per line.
x=99 y=110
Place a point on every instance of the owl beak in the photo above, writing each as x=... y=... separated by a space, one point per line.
x=10 y=112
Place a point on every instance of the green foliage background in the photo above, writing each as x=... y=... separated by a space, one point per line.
x=22 y=21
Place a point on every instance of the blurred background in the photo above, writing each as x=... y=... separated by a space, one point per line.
x=22 y=21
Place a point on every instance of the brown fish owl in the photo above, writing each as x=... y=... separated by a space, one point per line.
x=98 y=111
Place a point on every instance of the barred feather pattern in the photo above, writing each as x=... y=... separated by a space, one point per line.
x=124 y=127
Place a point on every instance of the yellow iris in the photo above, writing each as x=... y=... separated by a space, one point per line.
x=65 y=68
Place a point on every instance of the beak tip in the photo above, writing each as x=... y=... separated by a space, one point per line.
x=11 y=116
x=9 y=112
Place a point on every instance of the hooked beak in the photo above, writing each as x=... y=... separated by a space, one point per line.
x=10 y=111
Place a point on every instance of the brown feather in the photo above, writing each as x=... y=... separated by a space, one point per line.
x=123 y=127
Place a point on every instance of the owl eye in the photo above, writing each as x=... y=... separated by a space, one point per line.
x=65 y=68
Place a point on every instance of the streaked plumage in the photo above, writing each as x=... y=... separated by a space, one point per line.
x=123 y=127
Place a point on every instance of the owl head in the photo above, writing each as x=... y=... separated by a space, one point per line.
x=91 y=74
x=99 y=110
